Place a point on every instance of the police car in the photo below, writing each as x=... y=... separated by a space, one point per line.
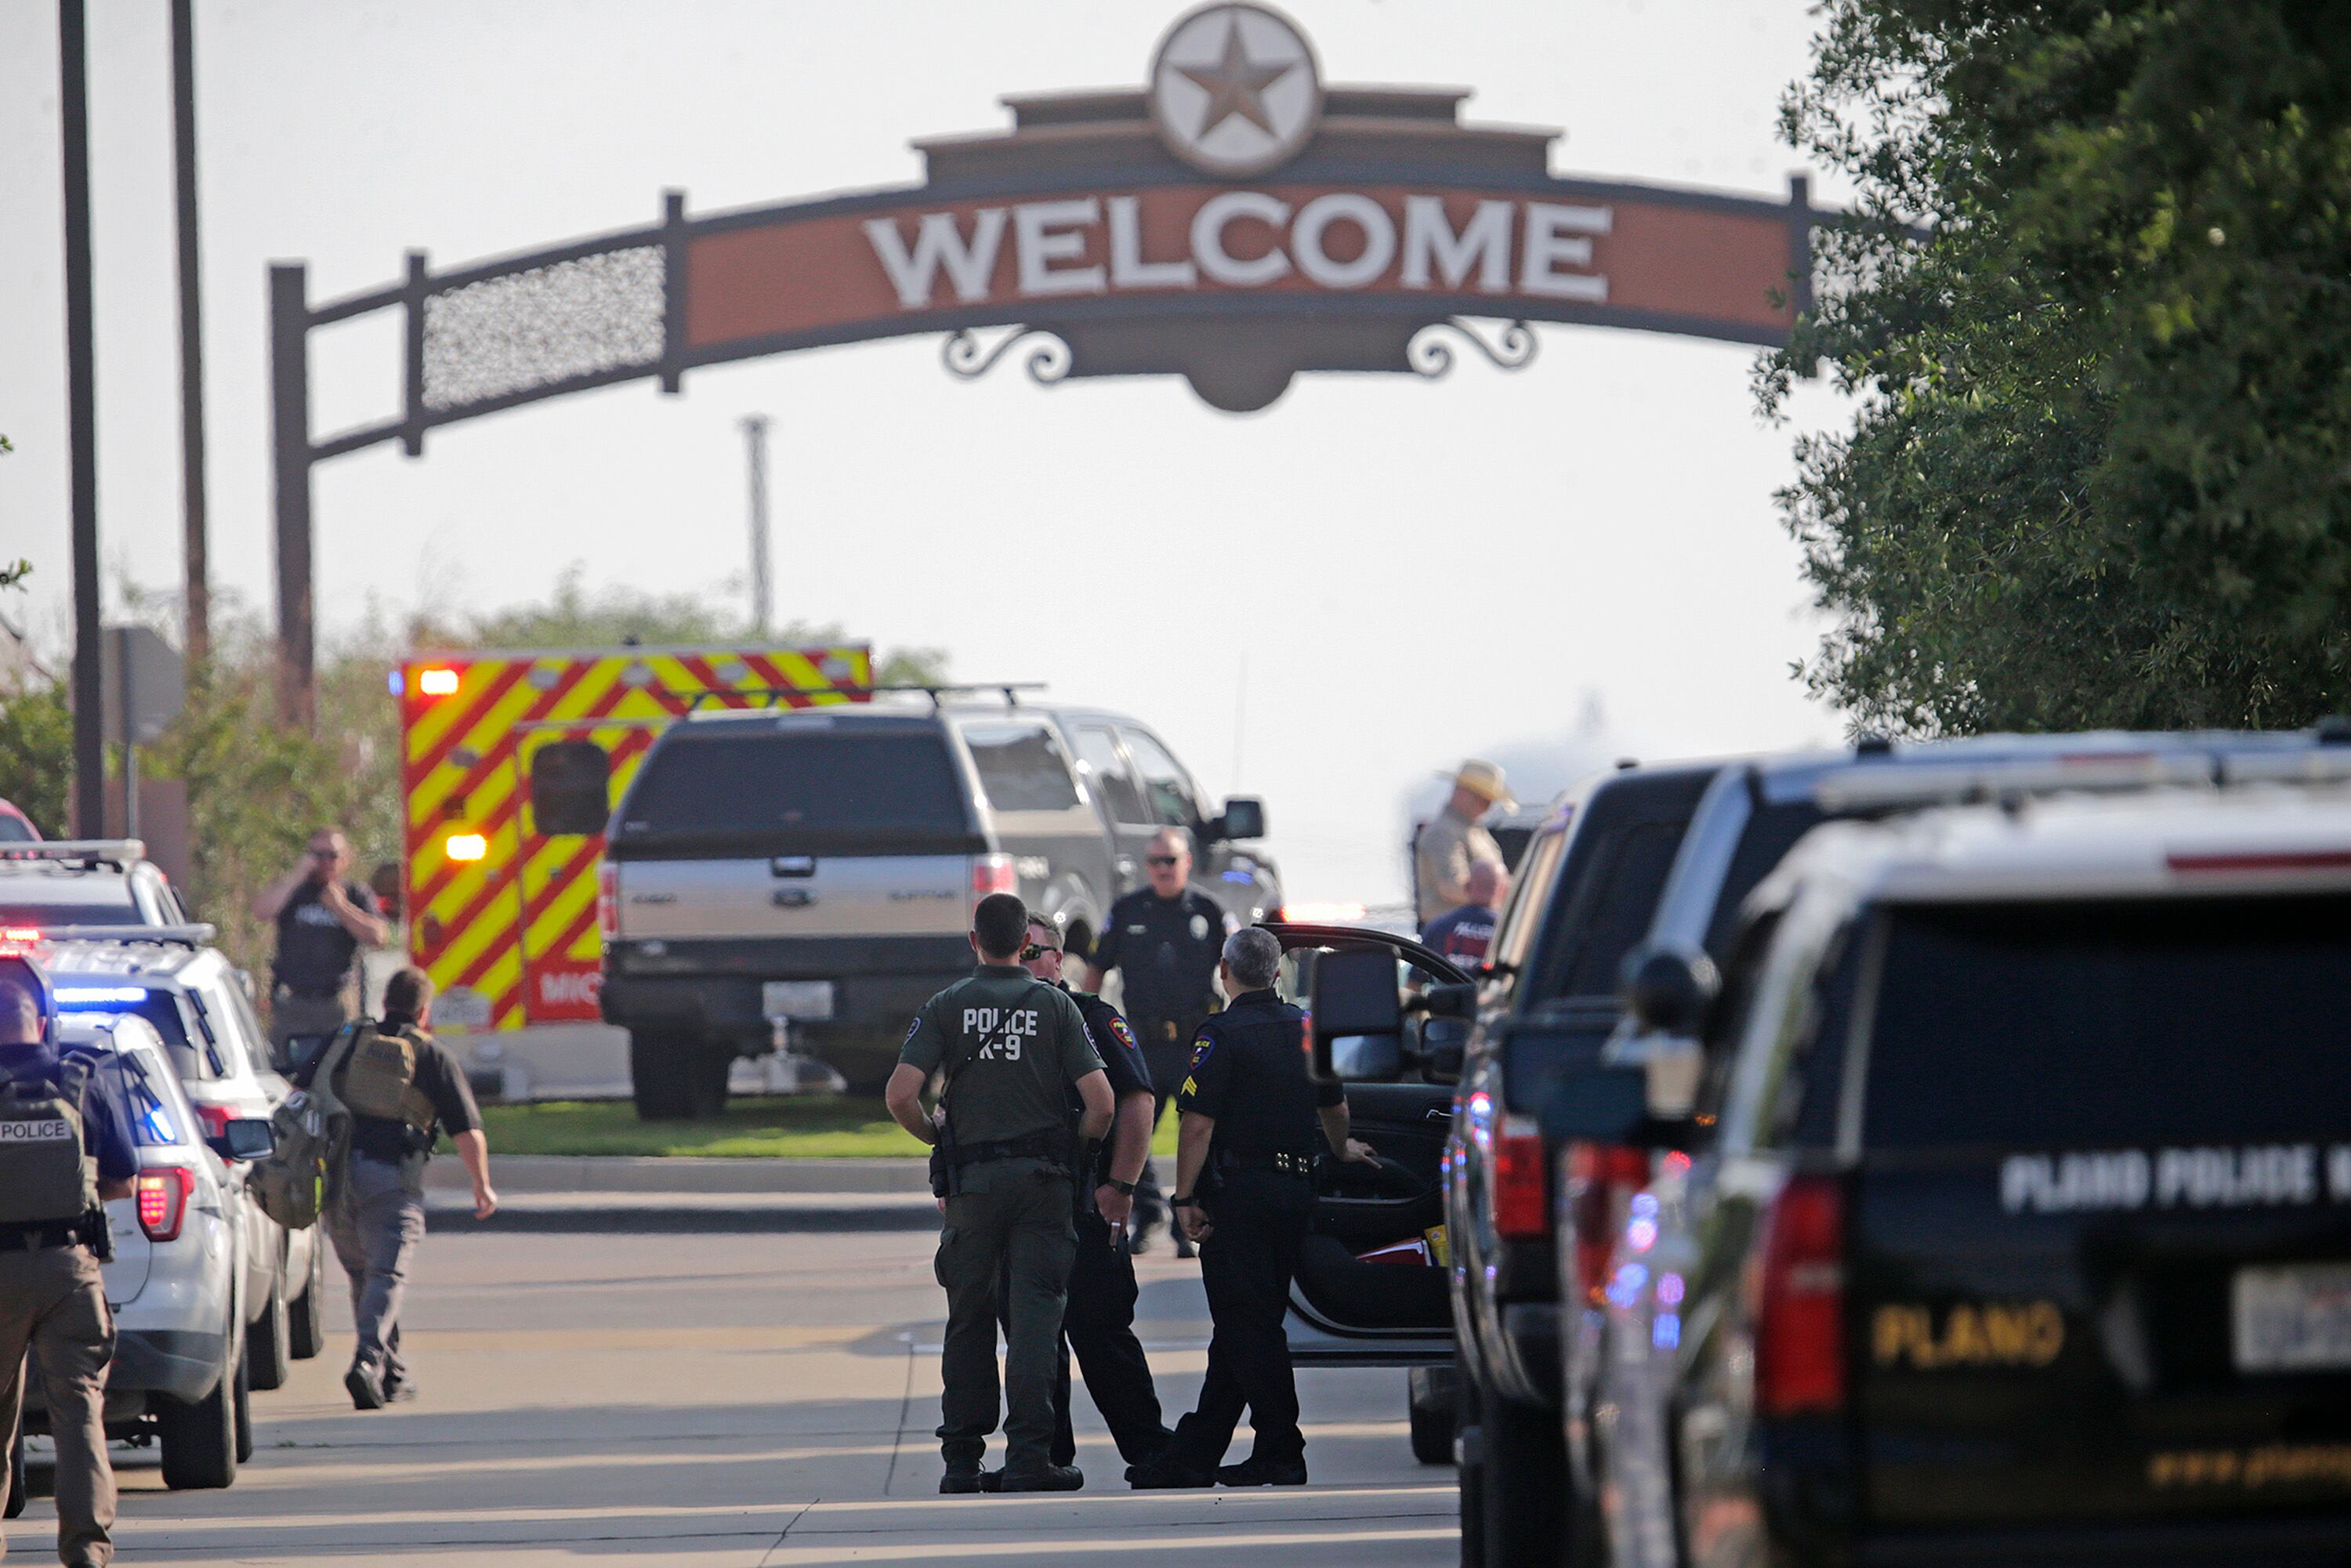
x=2023 y=1232
x=194 y=998
x=84 y=882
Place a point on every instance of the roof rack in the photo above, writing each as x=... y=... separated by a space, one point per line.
x=1968 y=783
x=1011 y=690
x=123 y=853
x=190 y=935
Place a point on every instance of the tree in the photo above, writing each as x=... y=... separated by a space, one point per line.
x=2100 y=473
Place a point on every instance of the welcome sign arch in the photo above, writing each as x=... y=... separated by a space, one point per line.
x=1234 y=221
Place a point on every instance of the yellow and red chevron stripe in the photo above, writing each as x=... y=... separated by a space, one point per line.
x=502 y=916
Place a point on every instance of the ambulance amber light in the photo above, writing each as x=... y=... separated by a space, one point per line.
x=437 y=682
x=465 y=846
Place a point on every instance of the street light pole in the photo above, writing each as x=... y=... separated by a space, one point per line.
x=81 y=425
x=755 y=434
x=199 y=637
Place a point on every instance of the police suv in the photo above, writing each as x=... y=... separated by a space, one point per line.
x=84 y=882
x=2024 y=1227
x=815 y=870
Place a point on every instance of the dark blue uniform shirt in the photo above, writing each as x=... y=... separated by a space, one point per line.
x=1248 y=1073
x=1462 y=934
x=1167 y=949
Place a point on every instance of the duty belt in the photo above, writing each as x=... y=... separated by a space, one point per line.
x=1053 y=1147
x=38 y=1238
x=1286 y=1164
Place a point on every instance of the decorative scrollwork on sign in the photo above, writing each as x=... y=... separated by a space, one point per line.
x=1430 y=355
x=968 y=359
x=543 y=326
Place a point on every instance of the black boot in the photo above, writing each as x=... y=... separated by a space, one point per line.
x=1045 y=1478
x=1257 y=1470
x=963 y=1478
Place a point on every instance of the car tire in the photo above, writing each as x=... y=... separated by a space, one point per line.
x=661 y=1075
x=17 y=1498
x=1522 y=1492
x=712 y=1069
x=269 y=1340
x=1469 y=1455
x=1431 y=1406
x=306 y=1314
x=199 y=1437
x=242 y=1406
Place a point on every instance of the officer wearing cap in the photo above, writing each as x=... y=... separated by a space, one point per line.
x=1098 y=1322
x=1163 y=939
x=1447 y=847
x=1252 y=1125
x=66 y=1148
x=1010 y=1049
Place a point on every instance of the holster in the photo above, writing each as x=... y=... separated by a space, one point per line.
x=97 y=1235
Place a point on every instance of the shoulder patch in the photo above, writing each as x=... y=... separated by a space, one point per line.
x=1120 y=1033
x=1200 y=1048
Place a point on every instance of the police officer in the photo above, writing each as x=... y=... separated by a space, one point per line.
x=1246 y=1143
x=1455 y=840
x=1163 y=939
x=1463 y=935
x=66 y=1148
x=1011 y=1048
x=1098 y=1322
x=400 y=1088
x=323 y=919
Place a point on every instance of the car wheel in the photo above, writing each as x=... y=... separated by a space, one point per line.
x=269 y=1341
x=661 y=1075
x=242 y=1406
x=1524 y=1487
x=16 y=1478
x=1432 y=1403
x=306 y=1314
x=199 y=1437
x=1469 y=1455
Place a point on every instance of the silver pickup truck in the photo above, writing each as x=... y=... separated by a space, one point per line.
x=818 y=867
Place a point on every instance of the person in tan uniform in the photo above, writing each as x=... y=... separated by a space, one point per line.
x=1453 y=842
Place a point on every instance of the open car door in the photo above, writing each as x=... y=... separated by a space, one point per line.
x=1370 y=1286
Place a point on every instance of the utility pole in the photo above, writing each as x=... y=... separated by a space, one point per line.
x=81 y=425
x=755 y=435
x=199 y=634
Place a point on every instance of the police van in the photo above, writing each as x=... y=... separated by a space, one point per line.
x=2023 y=1228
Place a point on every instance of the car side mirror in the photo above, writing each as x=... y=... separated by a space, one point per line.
x=243 y=1138
x=1244 y=817
x=1450 y=1001
x=1358 y=1017
x=1668 y=990
x=1444 y=1042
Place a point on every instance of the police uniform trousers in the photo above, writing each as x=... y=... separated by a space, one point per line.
x=292 y=1014
x=1008 y=1220
x=375 y=1223
x=1098 y=1325
x=1167 y=1055
x=53 y=1306
x=1260 y=1219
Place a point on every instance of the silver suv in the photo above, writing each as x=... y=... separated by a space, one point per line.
x=176 y=1284
x=195 y=1002
x=84 y=882
x=817 y=868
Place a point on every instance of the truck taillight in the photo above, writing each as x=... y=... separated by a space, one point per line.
x=1800 y=1303
x=1521 y=1190
x=993 y=873
x=1599 y=1177
x=608 y=901
x=162 y=1197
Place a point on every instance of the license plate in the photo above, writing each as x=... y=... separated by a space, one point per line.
x=2295 y=1318
x=809 y=1000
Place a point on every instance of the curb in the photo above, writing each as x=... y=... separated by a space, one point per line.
x=609 y=1174
x=612 y=1212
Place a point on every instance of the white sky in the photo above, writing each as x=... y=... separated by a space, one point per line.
x=1405 y=573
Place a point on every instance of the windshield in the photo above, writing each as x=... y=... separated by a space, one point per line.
x=2154 y=1021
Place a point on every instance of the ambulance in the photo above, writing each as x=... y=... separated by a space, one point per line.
x=511 y=761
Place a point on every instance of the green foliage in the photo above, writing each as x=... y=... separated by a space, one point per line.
x=36 y=753
x=2098 y=475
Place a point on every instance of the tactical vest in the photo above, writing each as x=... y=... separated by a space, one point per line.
x=377 y=1078
x=46 y=1176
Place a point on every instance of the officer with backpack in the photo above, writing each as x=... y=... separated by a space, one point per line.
x=1010 y=1048
x=66 y=1148
x=400 y=1089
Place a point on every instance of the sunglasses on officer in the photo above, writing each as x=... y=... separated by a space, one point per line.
x=1161 y=861
x=1036 y=950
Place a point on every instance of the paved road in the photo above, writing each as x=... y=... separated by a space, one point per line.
x=735 y=1401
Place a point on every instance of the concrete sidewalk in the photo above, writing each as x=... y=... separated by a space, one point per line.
x=519 y=1174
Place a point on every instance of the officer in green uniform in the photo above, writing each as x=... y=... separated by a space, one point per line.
x=66 y=1148
x=1009 y=1047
